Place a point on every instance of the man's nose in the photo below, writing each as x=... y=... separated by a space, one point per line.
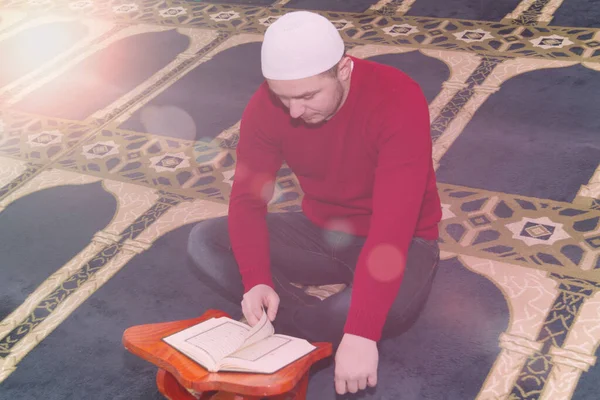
x=296 y=108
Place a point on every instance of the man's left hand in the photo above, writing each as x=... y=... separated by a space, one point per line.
x=356 y=362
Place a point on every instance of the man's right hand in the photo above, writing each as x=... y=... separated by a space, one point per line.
x=255 y=299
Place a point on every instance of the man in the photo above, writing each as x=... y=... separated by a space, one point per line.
x=356 y=134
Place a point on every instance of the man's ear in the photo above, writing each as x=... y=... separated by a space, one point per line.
x=344 y=68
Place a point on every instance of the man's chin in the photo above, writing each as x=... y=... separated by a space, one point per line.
x=313 y=120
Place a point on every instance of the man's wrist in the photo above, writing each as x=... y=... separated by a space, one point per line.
x=250 y=281
x=357 y=338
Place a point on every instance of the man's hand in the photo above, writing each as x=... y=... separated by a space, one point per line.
x=356 y=362
x=255 y=299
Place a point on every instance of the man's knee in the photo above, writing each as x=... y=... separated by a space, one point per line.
x=209 y=251
x=208 y=247
x=207 y=237
x=325 y=321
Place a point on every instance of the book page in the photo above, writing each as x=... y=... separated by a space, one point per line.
x=260 y=331
x=268 y=355
x=210 y=341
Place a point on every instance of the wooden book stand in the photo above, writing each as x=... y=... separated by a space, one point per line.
x=180 y=378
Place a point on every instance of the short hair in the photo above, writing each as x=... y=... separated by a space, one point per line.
x=333 y=71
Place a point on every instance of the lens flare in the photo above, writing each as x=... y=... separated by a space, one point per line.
x=385 y=262
x=168 y=121
x=263 y=186
x=338 y=233
x=267 y=191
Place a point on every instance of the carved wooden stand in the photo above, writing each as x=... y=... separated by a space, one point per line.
x=180 y=378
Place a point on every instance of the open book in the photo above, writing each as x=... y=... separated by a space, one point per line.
x=223 y=344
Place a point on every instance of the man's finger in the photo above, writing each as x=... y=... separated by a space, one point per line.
x=250 y=317
x=362 y=383
x=352 y=385
x=372 y=380
x=257 y=311
x=272 y=306
x=340 y=386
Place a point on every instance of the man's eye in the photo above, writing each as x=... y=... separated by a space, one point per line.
x=309 y=96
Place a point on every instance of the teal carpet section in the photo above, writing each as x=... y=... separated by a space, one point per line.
x=548 y=157
x=42 y=232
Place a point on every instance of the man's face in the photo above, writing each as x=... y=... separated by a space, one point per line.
x=314 y=100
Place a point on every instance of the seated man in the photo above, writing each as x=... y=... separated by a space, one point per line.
x=356 y=134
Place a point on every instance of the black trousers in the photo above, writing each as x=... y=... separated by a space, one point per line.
x=306 y=254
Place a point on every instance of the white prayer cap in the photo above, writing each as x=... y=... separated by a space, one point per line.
x=300 y=44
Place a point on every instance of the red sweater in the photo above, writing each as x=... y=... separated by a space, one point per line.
x=369 y=166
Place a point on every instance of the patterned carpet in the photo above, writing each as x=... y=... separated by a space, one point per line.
x=118 y=124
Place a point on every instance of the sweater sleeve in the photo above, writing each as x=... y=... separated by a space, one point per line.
x=403 y=143
x=258 y=160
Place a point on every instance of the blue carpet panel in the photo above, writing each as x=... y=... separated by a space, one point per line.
x=428 y=72
x=226 y=86
x=578 y=13
x=118 y=129
x=588 y=384
x=488 y=10
x=537 y=136
x=333 y=5
x=43 y=231
x=263 y=3
x=156 y=286
x=444 y=355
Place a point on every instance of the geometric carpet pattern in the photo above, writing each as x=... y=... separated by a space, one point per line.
x=159 y=136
